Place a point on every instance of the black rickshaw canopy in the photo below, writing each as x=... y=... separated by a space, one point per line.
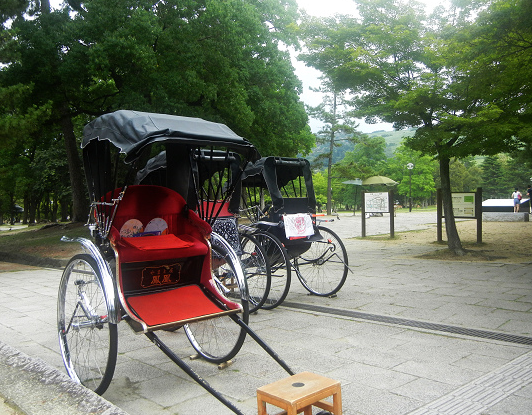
x=274 y=173
x=132 y=131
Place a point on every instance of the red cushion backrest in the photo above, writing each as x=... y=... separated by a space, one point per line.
x=146 y=202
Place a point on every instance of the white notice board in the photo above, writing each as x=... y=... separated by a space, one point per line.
x=464 y=204
x=376 y=202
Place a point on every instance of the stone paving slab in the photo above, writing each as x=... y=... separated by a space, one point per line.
x=384 y=368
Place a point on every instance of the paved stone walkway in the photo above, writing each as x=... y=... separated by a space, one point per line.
x=404 y=336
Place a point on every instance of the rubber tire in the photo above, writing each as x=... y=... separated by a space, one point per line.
x=92 y=349
x=280 y=268
x=219 y=339
x=323 y=268
x=256 y=269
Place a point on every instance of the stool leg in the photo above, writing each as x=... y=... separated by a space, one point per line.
x=307 y=410
x=337 y=403
x=262 y=406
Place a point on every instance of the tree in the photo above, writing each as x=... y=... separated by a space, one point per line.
x=215 y=60
x=491 y=177
x=337 y=125
x=419 y=182
x=409 y=70
x=320 y=185
x=514 y=174
x=40 y=58
x=466 y=176
x=221 y=61
x=20 y=128
x=367 y=159
x=368 y=155
x=500 y=52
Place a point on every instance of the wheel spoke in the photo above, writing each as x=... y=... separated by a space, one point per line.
x=88 y=341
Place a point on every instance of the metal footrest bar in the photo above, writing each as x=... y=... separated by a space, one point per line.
x=189 y=371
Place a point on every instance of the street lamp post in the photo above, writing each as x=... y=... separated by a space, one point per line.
x=410 y=166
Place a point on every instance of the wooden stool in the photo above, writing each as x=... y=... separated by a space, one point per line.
x=299 y=393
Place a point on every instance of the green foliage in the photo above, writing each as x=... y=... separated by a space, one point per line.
x=501 y=174
x=22 y=132
x=218 y=60
x=210 y=59
x=335 y=122
x=319 y=181
x=12 y=8
x=466 y=176
x=462 y=76
x=420 y=179
x=492 y=177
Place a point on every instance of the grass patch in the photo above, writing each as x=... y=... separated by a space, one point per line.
x=47 y=235
x=41 y=245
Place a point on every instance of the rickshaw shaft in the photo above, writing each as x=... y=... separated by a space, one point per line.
x=189 y=371
x=262 y=344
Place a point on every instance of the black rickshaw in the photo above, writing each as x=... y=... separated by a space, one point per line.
x=279 y=200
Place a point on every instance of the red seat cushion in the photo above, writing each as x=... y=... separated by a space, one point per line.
x=153 y=248
x=150 y=243
x=168 y=306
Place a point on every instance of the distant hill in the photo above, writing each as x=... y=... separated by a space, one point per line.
x=393 y=140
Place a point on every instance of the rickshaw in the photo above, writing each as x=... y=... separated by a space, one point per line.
x=216 y=181
x=279 y=200
x=152 y=260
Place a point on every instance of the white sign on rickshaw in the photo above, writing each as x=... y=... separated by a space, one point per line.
x=376 y=202
x=298 y=225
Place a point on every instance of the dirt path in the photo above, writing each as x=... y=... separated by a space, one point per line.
x=506 y=241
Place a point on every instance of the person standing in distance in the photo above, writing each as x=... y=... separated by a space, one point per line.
x=529 y=194
x=516 y=196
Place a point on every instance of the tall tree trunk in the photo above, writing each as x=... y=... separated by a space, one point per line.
x=32 y=211
x=26 y=209
x=55 y=208
x=329 y=176
x=45 y=6
x=329 y=159
x=65 y=209
x=453 y=239
x=80 y=206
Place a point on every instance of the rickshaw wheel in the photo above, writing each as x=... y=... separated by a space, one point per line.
x=219 y=339
x=280 y=268
x=323 y=268
x=87 y=340
x=256 y=269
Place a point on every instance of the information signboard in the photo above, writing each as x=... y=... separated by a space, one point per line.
x=376 y=202
x=464 y=204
